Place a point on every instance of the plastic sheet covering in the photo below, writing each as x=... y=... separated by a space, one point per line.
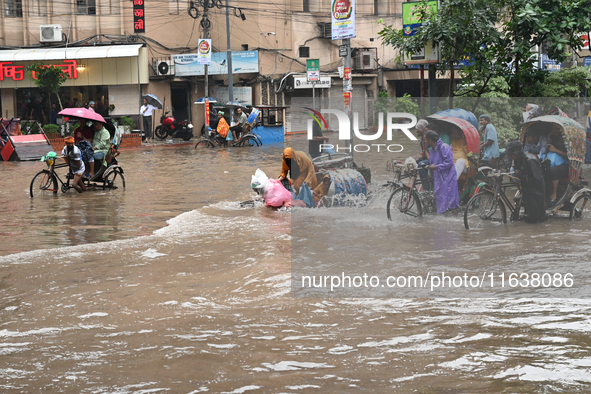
x=347 y=186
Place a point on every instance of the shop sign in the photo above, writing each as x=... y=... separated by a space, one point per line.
x=303 y=83
x=139 y=24
x=17 y=73
x=313 y=69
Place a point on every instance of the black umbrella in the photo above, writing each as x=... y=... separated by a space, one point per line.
x=152 y=100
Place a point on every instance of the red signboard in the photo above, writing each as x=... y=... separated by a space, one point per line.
x=347 y=73
x=206 y=114
x=139 y=24
x=17 y=73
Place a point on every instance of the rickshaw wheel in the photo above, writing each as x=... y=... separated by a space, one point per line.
x=581 y=208
x=115 y=180
x=399 y=201
x=43 y=183
x=484 y=209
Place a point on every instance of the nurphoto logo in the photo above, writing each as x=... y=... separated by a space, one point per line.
x=345 y=130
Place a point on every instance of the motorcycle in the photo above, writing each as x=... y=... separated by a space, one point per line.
x=170 y=127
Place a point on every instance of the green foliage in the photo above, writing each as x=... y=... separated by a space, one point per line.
x=49 y=78
x=494 y=33
x=51 y=129
x=567 y=82
x=385 y=104
x=126 y=121
x=408 y=105
x=29 y=127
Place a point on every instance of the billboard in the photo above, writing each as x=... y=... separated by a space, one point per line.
x=242 y=62
x=343 y=19
x=410 y=24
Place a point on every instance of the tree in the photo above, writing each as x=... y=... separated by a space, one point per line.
x=49 y=79
x=461 y=27
x=531 y=23
x=497 y=36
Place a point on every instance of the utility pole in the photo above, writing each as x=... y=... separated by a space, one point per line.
x=205 y=23
x=347 y=88
x=230 y=76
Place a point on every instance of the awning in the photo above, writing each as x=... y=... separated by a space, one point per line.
x=88 y=52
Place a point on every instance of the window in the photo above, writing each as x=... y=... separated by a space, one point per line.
x=173 y=7
x=245 y=47
x=86 y=7
x=306 y=6
x=13 y=8
x=304 y=51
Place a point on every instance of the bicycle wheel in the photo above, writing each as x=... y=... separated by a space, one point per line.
x=114 y=180
x=43 y=183
x=160 y=133
x=483 y=209
x=405 y=201
x=248 y=140
x=581 y=209
x=207 y=143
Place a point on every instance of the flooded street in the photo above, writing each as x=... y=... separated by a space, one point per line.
x=171 y=286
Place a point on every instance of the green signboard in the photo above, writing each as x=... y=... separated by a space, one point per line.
x=313 y=69
x=410 y=23
x=410 y=12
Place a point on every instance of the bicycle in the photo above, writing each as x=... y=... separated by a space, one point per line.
x=406 y=198
x=248 y=138
x=491 y=203
x=45 y=182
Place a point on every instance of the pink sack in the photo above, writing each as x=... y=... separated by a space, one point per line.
x=275 y=194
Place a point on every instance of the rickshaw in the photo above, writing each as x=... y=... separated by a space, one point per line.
x=471 y=183
x=573 y=195
x=45 y=182
x=410 y=199
x=211 y=138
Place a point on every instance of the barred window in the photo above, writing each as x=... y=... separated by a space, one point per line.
x=86 y=7
x=13 y=8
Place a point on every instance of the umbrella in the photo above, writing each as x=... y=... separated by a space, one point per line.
x=201 y=100
x=82 y=113
x=470 y=132
x=152 y=100
x=235 y=104
x=456 y=113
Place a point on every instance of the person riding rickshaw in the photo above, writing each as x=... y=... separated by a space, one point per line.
x=568 y=146
x=466 y=145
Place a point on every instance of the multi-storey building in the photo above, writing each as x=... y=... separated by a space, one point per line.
x=109 y=63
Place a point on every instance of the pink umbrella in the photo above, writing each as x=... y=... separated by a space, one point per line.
x=82 y=113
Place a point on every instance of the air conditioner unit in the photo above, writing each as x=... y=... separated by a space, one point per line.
x=51 y=33
x=364 y=61
x=163 y=67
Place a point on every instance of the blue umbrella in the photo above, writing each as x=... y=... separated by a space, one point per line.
x=235 y=104
x=201 y=100
x=152 y=100
x=457 y=113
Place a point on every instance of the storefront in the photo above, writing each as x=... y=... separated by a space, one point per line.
x=111 y=76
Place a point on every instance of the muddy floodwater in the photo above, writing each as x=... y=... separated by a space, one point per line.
x=170 y=286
